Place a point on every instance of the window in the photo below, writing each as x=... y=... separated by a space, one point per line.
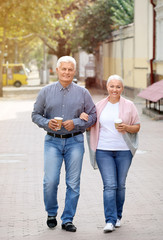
x=18 y=70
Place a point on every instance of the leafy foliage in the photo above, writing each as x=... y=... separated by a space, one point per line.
x=50 y=20
x=64 y=29
x=96 y=21
x=93 y=25
x=123 y=12
x=62 y=25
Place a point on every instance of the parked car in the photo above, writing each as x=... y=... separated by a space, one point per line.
x=75 y=80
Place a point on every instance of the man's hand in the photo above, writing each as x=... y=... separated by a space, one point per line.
x=53 y=124
x=68 y=125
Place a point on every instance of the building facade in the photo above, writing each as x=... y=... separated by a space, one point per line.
x=135 y=51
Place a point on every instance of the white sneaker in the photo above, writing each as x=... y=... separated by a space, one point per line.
x=118 y=223
x=109 y=227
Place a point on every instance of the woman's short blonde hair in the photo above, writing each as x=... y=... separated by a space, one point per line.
x=113 y=77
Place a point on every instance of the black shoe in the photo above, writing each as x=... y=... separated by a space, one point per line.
x=69 y=226
x=51 y=221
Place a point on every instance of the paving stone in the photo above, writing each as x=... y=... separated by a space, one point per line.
x=22 y=214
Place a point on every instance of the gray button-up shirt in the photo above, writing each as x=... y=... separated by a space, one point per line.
x=56 y=101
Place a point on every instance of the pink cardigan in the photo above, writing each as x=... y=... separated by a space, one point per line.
x=127 y=112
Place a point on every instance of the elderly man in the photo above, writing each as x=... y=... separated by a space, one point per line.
x=67 y=100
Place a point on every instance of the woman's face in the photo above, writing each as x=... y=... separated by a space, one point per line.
x=115 y=88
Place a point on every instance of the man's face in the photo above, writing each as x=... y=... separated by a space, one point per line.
x=66 y=72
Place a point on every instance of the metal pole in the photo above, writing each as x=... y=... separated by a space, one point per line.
x=45 y=66
x=16 y=51
x=2 y=40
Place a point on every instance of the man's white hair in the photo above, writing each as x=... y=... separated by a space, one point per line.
x=113 y=77
x=66 y=59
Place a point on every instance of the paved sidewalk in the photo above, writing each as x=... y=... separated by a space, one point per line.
x=22 y=214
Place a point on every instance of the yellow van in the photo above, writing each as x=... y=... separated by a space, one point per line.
x=14 y=74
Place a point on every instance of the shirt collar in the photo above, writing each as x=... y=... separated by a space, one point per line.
x=62 y=88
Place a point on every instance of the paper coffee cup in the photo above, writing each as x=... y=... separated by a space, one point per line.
x=117 y=122
x=59 y=120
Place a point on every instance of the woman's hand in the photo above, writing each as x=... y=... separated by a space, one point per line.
x=84 y=116
x=128 y=128
x=121 y=128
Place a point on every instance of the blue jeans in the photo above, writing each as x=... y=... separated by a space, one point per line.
x=56 y=150
x=113 y=166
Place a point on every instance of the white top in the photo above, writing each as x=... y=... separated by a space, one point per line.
x=109 y=137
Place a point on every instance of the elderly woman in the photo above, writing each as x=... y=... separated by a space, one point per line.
x=114 y=147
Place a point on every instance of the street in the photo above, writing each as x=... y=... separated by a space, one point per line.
x=22 y=214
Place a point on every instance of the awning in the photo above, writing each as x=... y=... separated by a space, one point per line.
x=153 y=93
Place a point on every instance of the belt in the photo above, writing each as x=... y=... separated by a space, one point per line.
x=64 y=135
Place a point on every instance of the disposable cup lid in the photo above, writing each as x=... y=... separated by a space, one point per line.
x=58 y=118
x=118 y=120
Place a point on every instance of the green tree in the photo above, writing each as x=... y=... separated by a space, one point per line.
x=19 y=19
x=50 y=20
x=96 y=21
x=93 y=25
x=123 y=12
x=60 y=42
